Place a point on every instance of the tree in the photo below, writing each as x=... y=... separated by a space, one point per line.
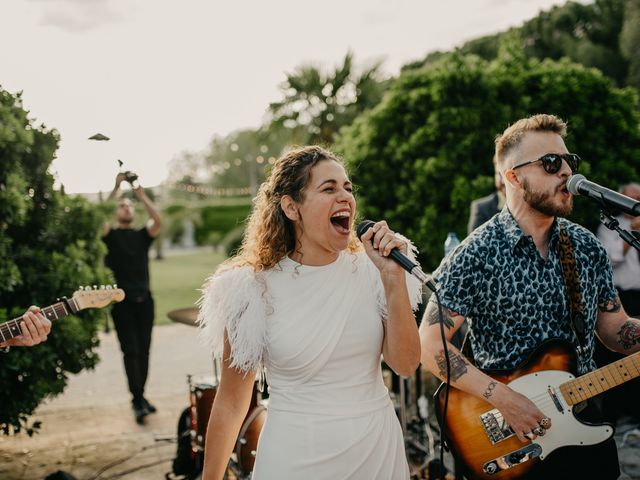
x=629 y=41
x=48 y=246
x=589 y=34
x=425 y=151
x=316 y=105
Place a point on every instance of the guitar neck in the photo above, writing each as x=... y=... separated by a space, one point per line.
x=11 y=329
x=601 y=380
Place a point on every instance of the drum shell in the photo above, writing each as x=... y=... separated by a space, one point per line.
x=247 y=443
x=202 y=396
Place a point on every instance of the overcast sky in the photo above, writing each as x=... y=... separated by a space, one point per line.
x=159 y=77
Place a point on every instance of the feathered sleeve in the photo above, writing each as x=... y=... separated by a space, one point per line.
x=414 y=286
x=234 y=300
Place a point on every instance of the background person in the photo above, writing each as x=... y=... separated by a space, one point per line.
x=626 y=277
x=128 y=257
x=482 y=209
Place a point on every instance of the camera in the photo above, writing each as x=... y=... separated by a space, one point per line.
x=130 y=176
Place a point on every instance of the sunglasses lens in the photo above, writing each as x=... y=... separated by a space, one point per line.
x=574 y=162
x=551 y=163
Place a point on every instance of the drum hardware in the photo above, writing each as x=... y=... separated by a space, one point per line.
x=409 y=396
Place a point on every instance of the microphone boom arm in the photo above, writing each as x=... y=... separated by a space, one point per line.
x=611 y=222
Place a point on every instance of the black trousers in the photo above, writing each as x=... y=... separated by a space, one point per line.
x=133 y=319
x=622 y=400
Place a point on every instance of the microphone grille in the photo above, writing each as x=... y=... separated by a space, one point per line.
x=363 y=227
x=573 y=183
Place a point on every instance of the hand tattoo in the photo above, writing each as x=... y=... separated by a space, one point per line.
x=458 y=365
x=629 y=334
x=489 y=390
x=612 y=306
x=433 y=316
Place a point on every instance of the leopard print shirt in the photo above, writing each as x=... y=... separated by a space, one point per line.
x=515 y=300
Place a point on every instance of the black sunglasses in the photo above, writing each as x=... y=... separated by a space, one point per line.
x=552 y=162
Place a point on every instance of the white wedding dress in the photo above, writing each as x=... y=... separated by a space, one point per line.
x=320 y=339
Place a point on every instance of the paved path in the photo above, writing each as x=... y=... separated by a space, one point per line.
x=90 y=432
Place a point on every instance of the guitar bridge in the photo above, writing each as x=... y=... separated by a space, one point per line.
x=495 y=427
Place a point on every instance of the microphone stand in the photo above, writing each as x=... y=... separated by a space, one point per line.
x=611 y=222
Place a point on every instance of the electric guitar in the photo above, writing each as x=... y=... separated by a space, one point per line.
x=81 y=299
x=487 y=447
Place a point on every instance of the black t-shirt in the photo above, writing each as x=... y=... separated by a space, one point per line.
x=128 y=257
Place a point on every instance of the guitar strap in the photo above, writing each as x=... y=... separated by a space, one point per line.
x=571 y=279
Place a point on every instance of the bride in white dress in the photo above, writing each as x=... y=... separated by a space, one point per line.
x=309 y=304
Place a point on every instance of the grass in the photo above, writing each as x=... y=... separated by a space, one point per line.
x=176 y=280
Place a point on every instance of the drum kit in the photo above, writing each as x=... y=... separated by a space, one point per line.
x=409 y=396
x=202 y=392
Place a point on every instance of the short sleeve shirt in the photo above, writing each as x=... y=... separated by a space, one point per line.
x=128 y=257
x=513 y=298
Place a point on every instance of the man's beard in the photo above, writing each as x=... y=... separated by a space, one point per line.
x=543 y=202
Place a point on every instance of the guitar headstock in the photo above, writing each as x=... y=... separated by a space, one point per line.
x=87 y=297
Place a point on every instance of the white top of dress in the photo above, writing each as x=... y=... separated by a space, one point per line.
x=243 y=302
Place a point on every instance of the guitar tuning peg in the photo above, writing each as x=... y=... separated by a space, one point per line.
x=101 y=287
x=58 y=299
x=80 y=288
x=109 y=287
x=95 y=287
x=115 y=285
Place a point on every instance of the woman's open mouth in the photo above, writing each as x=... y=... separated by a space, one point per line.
x=341 y=222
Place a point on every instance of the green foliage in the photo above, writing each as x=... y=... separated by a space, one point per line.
x=602 y=34
x=219 y=220
x=629 y=41
x=48 y=246
x=425 y=151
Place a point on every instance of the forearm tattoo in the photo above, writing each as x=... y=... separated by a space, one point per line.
x=458 y=365
x=629 y=334
x=489 y=390
x=611 y=306
x=433 y=317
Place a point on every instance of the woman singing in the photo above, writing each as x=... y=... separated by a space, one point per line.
x=309 y=304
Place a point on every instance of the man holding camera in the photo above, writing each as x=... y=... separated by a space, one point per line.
x=128 y=257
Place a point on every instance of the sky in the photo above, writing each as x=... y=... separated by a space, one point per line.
x=160 y=77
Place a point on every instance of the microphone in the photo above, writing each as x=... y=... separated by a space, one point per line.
x=579 y=185
x=399 y=257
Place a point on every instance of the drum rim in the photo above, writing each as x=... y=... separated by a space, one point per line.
x=257 y=410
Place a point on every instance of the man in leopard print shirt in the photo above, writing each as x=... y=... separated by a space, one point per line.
x=506 y=279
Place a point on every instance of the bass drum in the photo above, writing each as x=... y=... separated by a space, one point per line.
x=202 y=395
x=247 y=443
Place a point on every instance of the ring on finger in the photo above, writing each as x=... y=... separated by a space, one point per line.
x=545 y=422
x=539 y=431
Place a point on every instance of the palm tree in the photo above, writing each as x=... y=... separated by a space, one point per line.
x=316 y=105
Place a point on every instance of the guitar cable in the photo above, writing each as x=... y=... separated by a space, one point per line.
x=445 y=349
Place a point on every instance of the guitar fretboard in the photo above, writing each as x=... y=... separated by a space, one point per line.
x=601 y=380
x=11 y=329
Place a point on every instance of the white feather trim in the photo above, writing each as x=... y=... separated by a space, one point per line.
x=414 y=286
x=235 y=300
